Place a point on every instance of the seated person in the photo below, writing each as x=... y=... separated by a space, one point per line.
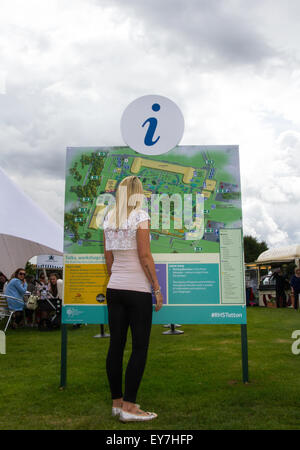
x=29 y=313
x=43 y=280
x=3 y=281
x=16 y=288
x=44 y=307
x=55 y=288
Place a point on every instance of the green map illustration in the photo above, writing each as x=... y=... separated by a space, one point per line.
x=212 y=171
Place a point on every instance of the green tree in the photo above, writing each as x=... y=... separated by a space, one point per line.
x=30 y=269
x=253 y=248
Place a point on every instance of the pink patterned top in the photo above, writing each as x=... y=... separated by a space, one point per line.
x=127 y=272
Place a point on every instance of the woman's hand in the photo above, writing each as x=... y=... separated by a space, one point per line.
x=159 y=301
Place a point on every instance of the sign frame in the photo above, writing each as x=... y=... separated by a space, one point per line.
x=163 y=316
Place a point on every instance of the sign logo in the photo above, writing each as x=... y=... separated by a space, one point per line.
x=72 y=312
x=152 y=125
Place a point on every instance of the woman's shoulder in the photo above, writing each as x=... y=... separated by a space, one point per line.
x=16 y=284
x=13 y=282
x=138 y=215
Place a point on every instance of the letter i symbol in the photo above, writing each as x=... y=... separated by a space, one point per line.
x=152 y=127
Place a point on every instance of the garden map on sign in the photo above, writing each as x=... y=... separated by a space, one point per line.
x=210 y=171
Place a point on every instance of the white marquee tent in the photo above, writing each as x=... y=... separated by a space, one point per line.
x=25 y=230
x=280 y=254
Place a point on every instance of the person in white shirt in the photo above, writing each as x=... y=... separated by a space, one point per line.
x=55 y=286
x=129 y=300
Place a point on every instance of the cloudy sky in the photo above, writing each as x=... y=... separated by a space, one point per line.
x=68 y=69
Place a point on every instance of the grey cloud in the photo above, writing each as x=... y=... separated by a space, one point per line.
x=212 y=32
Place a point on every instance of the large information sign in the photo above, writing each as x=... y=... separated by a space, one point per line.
x=193 y=196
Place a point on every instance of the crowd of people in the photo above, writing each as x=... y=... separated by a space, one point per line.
x=47 y=292
x=283 y=284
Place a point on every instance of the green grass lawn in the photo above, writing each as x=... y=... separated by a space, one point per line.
x=192 y=381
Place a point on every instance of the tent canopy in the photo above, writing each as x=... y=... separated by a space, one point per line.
x=280 y=254
x=25 y=230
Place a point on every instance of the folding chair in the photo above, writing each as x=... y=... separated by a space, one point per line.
x=55 y=304
x=54 y=312
x=5 y=311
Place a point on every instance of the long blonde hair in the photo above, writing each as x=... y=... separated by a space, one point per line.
x=129 y=196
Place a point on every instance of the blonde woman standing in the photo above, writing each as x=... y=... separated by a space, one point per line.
x=132 y=274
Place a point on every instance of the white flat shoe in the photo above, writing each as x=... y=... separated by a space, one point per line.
x=115 y=411
x=129 y=417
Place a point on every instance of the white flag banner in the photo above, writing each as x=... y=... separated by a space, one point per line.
x=49 y=262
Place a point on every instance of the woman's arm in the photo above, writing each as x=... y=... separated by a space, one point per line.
x=21 y=287
x=146 y=260
x=109 y=257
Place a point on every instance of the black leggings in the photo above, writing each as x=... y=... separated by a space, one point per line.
x=134 y=309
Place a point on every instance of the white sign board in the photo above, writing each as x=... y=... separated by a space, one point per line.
x=49 y=262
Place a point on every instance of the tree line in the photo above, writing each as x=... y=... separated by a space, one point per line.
x=253 y=248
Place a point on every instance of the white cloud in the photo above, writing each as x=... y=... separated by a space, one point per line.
x=261 y=225
x=234 y=72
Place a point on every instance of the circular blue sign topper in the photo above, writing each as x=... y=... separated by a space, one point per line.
x=152 y=125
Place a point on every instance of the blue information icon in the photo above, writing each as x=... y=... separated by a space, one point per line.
x=152 y=125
